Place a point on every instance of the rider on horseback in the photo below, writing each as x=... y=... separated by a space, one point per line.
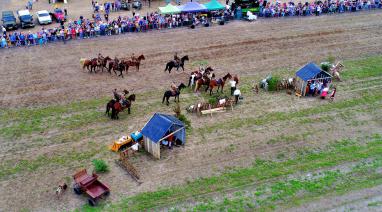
x=116 y=62
x=122 y=98
x=176 y=59
x=125 y=93
x=116 y=95
x=133 y=58
x=174 y=88
x=100 y=57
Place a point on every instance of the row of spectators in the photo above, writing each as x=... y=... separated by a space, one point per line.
x=87 y=28
x=97 y=26
x=279 y=9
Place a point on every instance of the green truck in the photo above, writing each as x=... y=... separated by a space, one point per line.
x=9 y=20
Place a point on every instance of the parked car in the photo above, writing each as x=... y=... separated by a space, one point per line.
x=26 y=19
x=9 y=20
x=125 y=5
x=58 y=15
x=43 y=17
x=137 y=4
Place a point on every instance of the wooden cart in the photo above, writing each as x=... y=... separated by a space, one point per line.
x=89 y=184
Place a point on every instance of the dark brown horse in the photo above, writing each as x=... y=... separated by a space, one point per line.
x=117 y=107
x=168 y=94
x=116 y=65
x=196 y=75
x=172 y=64
x=219 y=83
x=92 y=64
x=103 y=62
x=205 y=80
x=135 y=63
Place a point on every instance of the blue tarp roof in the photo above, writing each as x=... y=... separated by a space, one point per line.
x=160 y=124
x=310 y=71
x=192 y=7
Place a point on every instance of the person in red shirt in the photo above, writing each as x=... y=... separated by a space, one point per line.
x=170 y=140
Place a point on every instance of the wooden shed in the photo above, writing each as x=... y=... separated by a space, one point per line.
x=160 y=127
x=310 y=73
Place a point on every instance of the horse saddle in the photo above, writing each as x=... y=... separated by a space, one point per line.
x=177 y=62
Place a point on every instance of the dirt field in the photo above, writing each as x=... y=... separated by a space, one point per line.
x=56 y=123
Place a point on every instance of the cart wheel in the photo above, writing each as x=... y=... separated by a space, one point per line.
x=77 y=189
x=92 y=202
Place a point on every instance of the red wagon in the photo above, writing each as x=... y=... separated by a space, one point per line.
x=89 y=184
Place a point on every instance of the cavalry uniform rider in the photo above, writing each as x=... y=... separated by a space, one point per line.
x=176 y=59
x=174 y=88
x=124 y=101
x=133 y=58
x=100 y=57
x=117 y=97
x=116 y=62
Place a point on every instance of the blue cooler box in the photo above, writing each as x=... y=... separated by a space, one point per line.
x=136 y=136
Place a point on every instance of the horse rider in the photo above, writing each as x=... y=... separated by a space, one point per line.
x=133 y=58
x=116 y=95
x=116 y=62
x=176 y=59
x=100 y=57
x=125 y=97
x=174 y=88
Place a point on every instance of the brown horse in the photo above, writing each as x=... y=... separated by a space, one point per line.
x=103 y=62
x=219 y=83
x=205 y=80
x=93 y=64
x=195 y=76
x=135 y=63
x=117 y=107
x=116 y=65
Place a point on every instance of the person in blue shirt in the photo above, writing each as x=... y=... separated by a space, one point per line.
x=3 y=42
x=22 y=39
x=30 y=39
x=12 y=38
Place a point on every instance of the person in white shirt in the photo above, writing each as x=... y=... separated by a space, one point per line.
x=237 y=94
x=233 y=86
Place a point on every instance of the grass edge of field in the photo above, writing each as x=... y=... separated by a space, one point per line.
x=337 y=153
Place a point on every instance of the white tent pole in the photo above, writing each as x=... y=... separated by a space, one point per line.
x=171 y=134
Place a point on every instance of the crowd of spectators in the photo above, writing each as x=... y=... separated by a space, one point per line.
x=100 y=25
x=317 y=8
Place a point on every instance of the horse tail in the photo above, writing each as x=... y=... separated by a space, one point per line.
x=107 y=109
x=196 y=86
x=167 y=67
x=82 y=61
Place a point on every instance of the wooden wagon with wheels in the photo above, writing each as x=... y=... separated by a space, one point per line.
x=89 y=184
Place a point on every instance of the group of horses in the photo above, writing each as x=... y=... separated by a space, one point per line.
x=206 y=77
x=115 y=65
